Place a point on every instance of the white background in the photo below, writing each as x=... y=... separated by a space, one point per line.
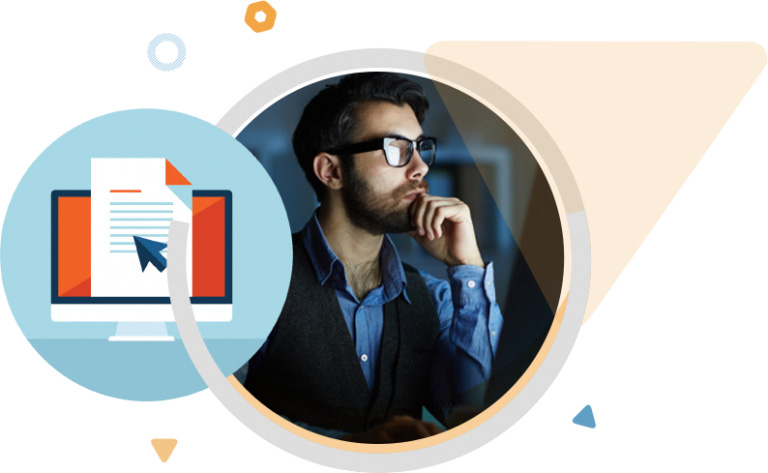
x=673 y=362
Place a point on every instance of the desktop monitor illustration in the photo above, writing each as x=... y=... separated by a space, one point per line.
x=140 y=318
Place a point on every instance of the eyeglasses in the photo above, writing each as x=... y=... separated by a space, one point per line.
x=398 y=150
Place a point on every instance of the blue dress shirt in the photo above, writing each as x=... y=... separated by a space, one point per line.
x=470 y=320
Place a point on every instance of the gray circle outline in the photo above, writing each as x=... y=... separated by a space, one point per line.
x=238 y=117
x=181 y=52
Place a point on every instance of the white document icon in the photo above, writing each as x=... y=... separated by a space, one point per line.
x=133 y=201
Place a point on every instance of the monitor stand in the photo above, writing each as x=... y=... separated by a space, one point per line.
x=141 y=332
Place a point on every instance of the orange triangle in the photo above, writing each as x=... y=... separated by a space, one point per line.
x=82 y=289
x=644 y=112
x=164 y=448
x=201 y=204
x=173 y=177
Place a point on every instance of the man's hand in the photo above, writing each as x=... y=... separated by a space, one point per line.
x=444 y=228
x=396 y=429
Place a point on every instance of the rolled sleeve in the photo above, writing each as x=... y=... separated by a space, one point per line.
x=470 y=325
x=476 y=325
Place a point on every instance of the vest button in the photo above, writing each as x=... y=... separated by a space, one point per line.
x=364 y=357
x=471 y=284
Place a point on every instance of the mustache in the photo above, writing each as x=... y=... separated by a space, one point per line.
x=410 y=187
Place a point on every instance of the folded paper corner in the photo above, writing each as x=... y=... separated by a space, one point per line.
x=173 y=177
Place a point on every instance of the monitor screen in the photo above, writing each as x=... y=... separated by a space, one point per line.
x=211 y=249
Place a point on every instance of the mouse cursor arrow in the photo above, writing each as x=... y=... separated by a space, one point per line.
x=149 y=252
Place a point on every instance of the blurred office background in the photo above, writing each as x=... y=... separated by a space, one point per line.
x=478 y=157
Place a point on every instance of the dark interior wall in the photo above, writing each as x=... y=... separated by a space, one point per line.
x=532 y=216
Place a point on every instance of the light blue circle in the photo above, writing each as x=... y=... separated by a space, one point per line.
x=211 y=160
x=181 y=52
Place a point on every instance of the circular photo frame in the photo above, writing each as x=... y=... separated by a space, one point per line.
x=566 y=302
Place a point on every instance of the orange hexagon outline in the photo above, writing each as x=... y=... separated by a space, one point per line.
x=250 y=16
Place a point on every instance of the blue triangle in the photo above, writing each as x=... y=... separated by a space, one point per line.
x=585 y=417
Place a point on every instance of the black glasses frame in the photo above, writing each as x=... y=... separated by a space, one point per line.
x=381 y=144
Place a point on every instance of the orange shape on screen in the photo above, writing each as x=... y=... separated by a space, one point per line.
x=209 y=247
x=74 y=249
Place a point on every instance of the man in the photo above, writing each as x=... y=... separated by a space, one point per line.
x=365 y=341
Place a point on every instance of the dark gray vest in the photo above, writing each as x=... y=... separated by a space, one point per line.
x=311 y=373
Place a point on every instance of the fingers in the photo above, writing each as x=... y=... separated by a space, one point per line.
x=403 y=430
x=432 y=428
x=406 y=428
x=433 y=218
x=429 y=212
x=417 y=209
x=396 y=429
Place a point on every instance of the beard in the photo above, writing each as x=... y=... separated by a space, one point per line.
x=377 y=213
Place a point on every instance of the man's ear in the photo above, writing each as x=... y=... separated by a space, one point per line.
x=327 y=168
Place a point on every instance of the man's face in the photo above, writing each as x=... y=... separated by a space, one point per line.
x=377 y=196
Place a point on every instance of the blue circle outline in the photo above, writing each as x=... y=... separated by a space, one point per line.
x=180 y=55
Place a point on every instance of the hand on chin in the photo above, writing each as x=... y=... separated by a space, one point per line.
x=443 y=226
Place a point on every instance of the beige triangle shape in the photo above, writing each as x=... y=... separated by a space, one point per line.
x=164 y=448
x=631 y=119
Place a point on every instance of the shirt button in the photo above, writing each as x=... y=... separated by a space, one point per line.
x=471 y=284
x=364 y=357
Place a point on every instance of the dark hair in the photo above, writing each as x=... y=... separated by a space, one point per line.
x=329 y=119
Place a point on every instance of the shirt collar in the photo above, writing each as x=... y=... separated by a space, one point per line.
x=325 y=261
